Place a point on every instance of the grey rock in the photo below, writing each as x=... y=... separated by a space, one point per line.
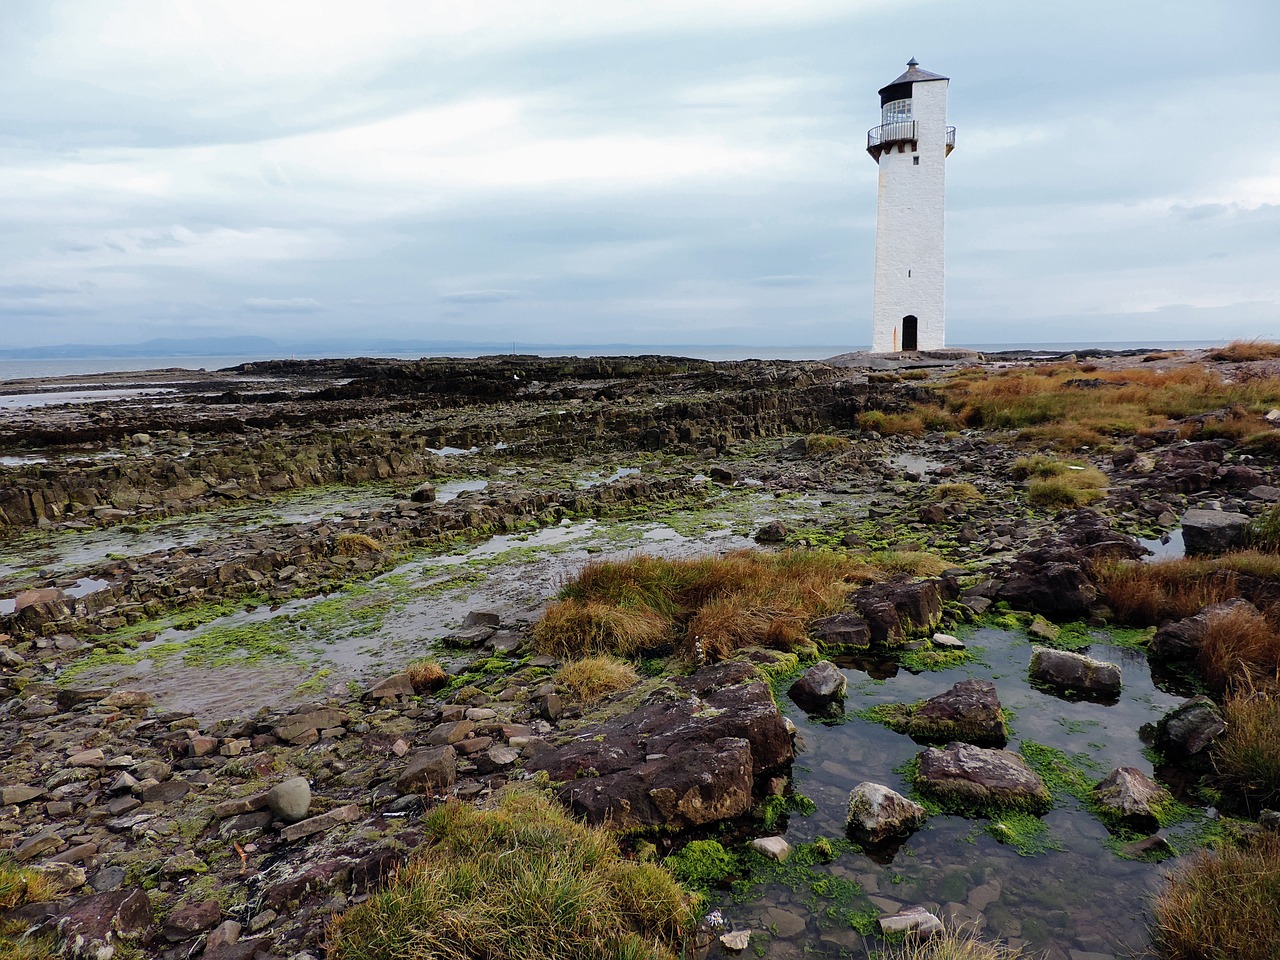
x=325 y=821
x=1181 y=639
x=877 y=813
x=1128 y=796
x=1213 y=531
x=775 y=848
x=969 y=711
x=775 y=531
x=425 y=493
x=430 y=771
x=1075 y=673
x=818 y=687
x=291 y=799
x=965 y=776
x=911 y=921
x=1190 y=727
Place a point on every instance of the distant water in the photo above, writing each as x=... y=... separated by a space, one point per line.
x=63 y=367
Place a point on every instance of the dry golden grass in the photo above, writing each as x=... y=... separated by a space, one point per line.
x=953 y=944
x=892 y=424
x=912 y=563
x=1070 y=407
x=825 y=445
x=957 y=492
x=646 y=603
x=591 y=679
x=1246 y=757
x=1221 y=905
x=1241 y=351
x=1239 y=647
x=355 y=544
x=426 y=676
x=1148 y=594
x=20 y=885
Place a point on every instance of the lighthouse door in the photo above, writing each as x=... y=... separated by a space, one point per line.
x=909 y=338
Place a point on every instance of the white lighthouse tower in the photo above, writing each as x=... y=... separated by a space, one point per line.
x=911 y=145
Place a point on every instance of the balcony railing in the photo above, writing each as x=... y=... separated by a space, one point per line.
x=880 y=138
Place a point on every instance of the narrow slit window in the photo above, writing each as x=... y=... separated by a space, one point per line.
x=915 y=161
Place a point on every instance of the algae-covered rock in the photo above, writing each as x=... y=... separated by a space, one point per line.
x=877 y=813
x=971 y=779
x=1075 y=673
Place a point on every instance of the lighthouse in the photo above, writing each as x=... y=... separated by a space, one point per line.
x=910 y=145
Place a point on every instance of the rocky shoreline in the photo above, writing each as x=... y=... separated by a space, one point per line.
x=181 y=834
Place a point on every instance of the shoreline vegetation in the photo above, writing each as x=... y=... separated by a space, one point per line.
x=519 y=657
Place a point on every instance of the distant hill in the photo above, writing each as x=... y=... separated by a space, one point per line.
x=159 y=347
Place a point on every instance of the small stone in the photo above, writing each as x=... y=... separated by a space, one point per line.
x=224 y=934
x=737 y=940
x=877 y=813
x=291 y=799
x=775 y=848
x=911 y=921
x=1042 y=628
x=449 y=733
x=46 y=841
x=429 y=771
x=87 y=758
x=775 y=531
x=819 y=687
x=19 y=794
x=944 y=641
x=400 y=747
x=324 y=821
x=425 y=493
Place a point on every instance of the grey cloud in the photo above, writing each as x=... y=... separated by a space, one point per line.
x=482 y=296
x=287 y=305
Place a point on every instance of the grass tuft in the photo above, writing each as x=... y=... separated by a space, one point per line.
x=1264 y=530
x=519 y=879
x=1237 y=648
x=1221 y=905
x=1242 y=351
x=355 y=544
x=825 y=445
x=709 y=607
x=953 y=944
x=1246 y=757
x=426 y=676
x=957 y=492
x=593 y=678
x=22 y=885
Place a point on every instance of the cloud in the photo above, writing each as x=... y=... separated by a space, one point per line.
x=482 y=296
x=287 y=305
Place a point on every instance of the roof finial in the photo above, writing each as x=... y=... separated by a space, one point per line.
x=913 y=62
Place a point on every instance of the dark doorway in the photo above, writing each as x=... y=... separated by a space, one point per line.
x=909 y=339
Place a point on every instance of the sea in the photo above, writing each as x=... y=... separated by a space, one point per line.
x=82 y=366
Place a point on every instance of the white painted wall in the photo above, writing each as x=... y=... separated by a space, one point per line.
x=909 y=229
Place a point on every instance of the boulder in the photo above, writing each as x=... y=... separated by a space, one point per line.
x=1181 y=639
x=685 y=760
x=969 y=711
x=775 y=531
x=291 y=799
x=1075 y=673
x=901 y=608
x=968 y=778
x=1190 y=727
x=100 y=924
x=1129 y=797
x=877 y=813
x=430 y=771
x=191 y=919
x=819 y=687
x=844 y=631
x=425 y=493
x=1213 y=531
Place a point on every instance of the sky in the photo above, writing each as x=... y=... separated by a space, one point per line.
x=636 y=171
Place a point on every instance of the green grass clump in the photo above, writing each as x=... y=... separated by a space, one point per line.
x=21 y=885
x=1264 y=531
x=591 y=679
x=1221 y=905
x=520 y=879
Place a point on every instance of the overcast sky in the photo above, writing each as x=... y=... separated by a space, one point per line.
x=630 y=171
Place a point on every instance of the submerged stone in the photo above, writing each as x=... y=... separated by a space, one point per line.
x=877 y=813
